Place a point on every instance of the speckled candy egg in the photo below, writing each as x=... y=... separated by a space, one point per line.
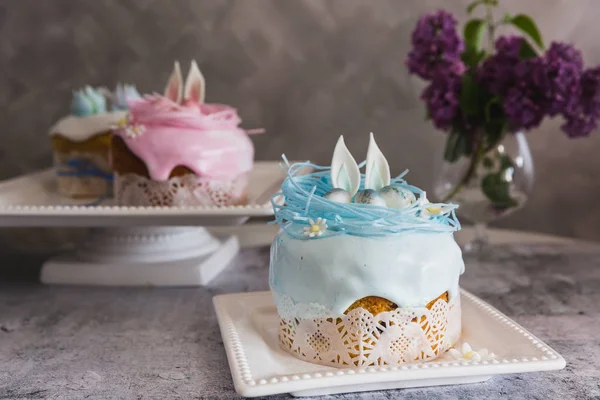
x=338 y=196
x=369 y=196
x=397 y=197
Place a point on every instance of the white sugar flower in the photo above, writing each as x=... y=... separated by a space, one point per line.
x=432 y=210
x=316 y=228
x=133 y=131
x=468 y=354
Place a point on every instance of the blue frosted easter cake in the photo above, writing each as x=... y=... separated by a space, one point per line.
x=364 y=270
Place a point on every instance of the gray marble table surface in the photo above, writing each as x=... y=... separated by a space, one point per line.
x=150 y=343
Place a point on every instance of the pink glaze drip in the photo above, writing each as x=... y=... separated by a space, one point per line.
x=203 y=137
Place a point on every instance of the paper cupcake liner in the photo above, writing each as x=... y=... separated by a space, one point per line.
x=187 y=190
x=361 y=339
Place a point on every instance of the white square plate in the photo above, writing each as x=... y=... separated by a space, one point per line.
x=249 y=326
x=32 y=200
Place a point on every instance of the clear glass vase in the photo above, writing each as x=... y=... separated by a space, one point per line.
x=488 y=185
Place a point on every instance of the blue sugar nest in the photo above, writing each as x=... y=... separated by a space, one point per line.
x=304 y=201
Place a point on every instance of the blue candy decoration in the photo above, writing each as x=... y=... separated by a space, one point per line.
x=81 y=105
x=97 y=99
x=338 y=195
x=124 y=93
x=369 y=196
x=88 y=102
x=397 y=197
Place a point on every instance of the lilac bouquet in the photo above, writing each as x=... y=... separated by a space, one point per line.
x=480 y=93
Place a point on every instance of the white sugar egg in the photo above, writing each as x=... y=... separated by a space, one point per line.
x=338 y=196
x=369 y=196
x=397 y=197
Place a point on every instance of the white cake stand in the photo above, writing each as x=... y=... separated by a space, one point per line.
x=133 y=246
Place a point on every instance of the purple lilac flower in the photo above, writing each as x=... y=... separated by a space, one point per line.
x=579 y=125
x=590 y=91
x=523 y=101
x=522 y=109
x=509 y=46
x=497 y=73
x=436 y=46
x=507 y=75
x=583 y=119
x=441 y=98
x=540 y=86
x=557 y=74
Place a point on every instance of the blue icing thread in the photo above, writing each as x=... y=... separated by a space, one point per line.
x=81 y=168
x=303 y=201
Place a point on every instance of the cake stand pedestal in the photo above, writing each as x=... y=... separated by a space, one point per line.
x=154 y=256
x=135 y=246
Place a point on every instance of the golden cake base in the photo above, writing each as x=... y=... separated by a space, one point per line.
x=93 y=181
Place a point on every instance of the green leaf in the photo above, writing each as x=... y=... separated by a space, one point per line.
x=465 y=146
x=526 y=51
x=451 y=152
x=473 y=96
x=470 y=95
x=474 y=5
x=477 y=3
x=472 y=57
x=474 y=33
x=488 y=163
x=497 y=190
x=491 y=108
x=494 y=133
x=457 y=145
x=495 y=124
x=528 y=26
x=506 y=162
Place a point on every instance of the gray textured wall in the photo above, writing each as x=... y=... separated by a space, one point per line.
x=306 y=70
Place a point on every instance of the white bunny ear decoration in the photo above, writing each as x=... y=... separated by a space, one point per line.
x=195 y=85
x=344 y=170
x=377 y=174
x=173 y=91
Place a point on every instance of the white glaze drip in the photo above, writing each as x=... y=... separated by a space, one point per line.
x=408 y=269
x=79 y=129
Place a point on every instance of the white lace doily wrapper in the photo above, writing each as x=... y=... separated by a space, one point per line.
x=82 y=186
x=359 y=338
x=79 y=129
x=186 y=190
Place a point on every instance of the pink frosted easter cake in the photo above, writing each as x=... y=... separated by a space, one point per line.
x=176 y=150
